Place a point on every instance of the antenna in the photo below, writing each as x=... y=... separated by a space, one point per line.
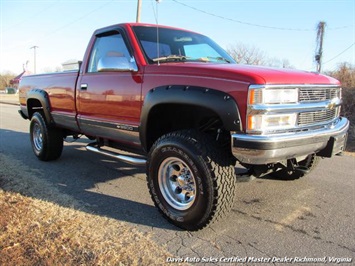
x=156 y=20
x=139 y=7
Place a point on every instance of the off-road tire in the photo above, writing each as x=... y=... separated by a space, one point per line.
x=197 y=157
x=47 y=141
x=310 y=162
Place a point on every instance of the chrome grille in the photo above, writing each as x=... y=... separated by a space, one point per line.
x=318 y=94
x=321 y=116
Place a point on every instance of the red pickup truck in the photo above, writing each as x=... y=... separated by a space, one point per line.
x=179 y=104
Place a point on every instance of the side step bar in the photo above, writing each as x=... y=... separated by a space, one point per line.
x=120 y=157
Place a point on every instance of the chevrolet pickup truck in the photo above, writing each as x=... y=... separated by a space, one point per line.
x=174 y=101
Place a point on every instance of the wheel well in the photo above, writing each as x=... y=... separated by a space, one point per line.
x=33 y=105
x=165 y=118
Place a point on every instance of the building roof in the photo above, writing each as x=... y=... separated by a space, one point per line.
x=17 y=79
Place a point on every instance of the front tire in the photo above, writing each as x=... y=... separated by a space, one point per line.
x=47 y=142
x=191 y=180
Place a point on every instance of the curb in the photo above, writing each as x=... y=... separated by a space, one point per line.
x=9 y=103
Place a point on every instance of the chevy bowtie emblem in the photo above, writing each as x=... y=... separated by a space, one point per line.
x=331 y=106
x=334 y=103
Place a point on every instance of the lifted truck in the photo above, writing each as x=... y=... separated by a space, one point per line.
x=189 y=112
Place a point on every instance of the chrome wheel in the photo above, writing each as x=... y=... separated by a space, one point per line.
x=37 y=137
x=177 y=183
x=47 y=141
x=191 y=181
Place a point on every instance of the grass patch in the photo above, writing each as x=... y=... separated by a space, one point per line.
x=35 y=228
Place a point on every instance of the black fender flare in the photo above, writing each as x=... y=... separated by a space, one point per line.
x=220 y=102
x=43 y=97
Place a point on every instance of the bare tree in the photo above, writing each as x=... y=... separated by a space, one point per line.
x=246 y=54
x=5 y=79
x=345 y=72
x=251 y=55
x=280 y=63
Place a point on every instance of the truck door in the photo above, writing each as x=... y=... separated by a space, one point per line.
x=109 y=91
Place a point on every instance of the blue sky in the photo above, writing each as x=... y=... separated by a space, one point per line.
x=283 y=29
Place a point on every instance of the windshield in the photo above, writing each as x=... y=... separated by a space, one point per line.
x=177 y=45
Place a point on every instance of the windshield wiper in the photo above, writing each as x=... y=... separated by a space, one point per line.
x=171 y=57
x=219 y=58
x=174 y=58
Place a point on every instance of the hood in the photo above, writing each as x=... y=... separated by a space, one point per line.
x=245 y=73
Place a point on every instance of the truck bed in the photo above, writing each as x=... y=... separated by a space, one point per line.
x=60 y=87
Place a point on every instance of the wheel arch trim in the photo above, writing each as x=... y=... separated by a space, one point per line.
x=43 y=98
x=217 y=101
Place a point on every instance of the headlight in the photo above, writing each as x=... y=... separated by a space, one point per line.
x=262 y=118
x=271 y=122
x=273 y=96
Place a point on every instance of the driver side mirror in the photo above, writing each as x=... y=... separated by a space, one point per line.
x=116 y=64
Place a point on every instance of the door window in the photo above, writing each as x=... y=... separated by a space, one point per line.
x=108 y=46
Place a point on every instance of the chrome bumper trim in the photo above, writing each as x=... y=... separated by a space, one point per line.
x=264 y=149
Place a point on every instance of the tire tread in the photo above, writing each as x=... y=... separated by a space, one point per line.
x=52 y=139
x=221 y=168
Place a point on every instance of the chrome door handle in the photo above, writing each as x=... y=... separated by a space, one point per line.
x=84 y=86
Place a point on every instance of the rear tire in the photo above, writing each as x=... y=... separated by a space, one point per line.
x=191 y=180
x=47 y=142
x=310 y=162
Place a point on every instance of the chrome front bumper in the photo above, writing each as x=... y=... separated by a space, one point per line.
x=264 y=149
